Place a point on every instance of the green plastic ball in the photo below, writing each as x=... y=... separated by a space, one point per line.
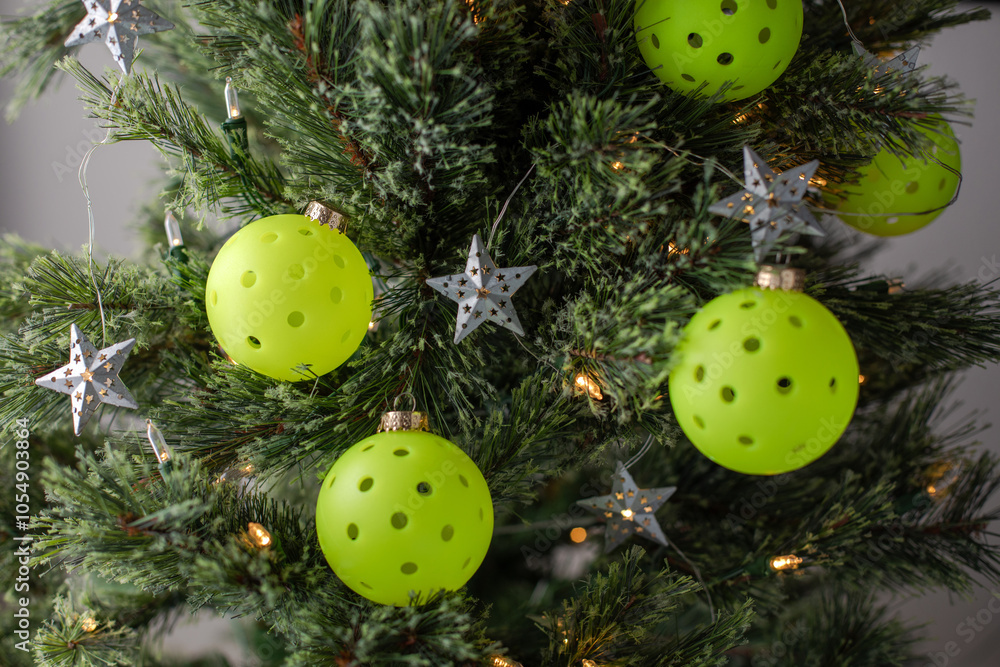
x=402 y=512
x=690 y=43
x=285 y=291
x=767 y=381
x=891 y=185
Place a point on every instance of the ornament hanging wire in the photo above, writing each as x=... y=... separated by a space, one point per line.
x=694 y=568
x=82 y=178
x=503 y=210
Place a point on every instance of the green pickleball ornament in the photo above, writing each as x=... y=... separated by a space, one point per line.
x=892 y=185
x=767 y=381
x=289 y=297
x=690 y=43
x=404 y=512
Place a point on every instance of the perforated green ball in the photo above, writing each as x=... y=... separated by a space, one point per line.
x=285 y=291
x=767 y=381
x=402 y=512
x=688 y=43
x=891 y=185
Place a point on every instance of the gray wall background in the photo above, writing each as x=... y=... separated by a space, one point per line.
x=42 y=201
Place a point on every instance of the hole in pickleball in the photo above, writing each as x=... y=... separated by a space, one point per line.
x=784 y=385
x=295 y=319
x=687 y=77
x=764 y=35
x=466 y=563
x=365 y=484
x=464 y=481
x=270 y=237
x=728 y=395
x=296 y=272
x=347 y=334
x=305 y=232
x=424 y=489
x=745 y=440
x=698 y=421
x=352 y=531
x=751 y=344
x=655 y=41
x=329 y=482
x=795 y=321
x=699 y=374
x=253 y=342
x=728 y=7
x=399 y=520
x=336 y=295
x=401 y=452
x=447 y=533
x=714 y=325
x=773 y=4
x=215 y=297
x=912 y=187
x=408 y=568
x=248 y=278
x=695 y=41
x=747 y=305
x=725 y=58
x=339 y=261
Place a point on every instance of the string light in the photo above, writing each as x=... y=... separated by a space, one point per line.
x=896 y=286
x=861 y=379
x=578 y=534
x=233 y=110
x=940 y=477
x=259 y=535
x=585 y=383
x=587 y=662
x=501 y=661
x=88 y=624
x=155 y=438
x=627 y=513
x=789 y=562
x=174 y=237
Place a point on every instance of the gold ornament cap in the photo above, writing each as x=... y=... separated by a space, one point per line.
x=326 y=216
x=404 y=420
x=784 y=278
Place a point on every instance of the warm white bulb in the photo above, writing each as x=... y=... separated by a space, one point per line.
x=232 y=100
x=157 y=441
x=174 y=237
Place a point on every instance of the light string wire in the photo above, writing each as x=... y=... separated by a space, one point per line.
x=82 y=178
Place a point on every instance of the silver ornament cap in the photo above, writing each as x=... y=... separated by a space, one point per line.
x=326 y=216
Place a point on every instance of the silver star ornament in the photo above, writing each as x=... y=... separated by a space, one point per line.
x=91 y=377
x=483 y=292
x=629 y=510
x=771 y=203
x=905 y=61
x=118 y=23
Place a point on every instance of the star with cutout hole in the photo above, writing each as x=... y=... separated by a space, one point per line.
x=629 y=510
x=771 y=203
x=91 y=377
x=118 y=23
x=483 y=292
x=905 y=61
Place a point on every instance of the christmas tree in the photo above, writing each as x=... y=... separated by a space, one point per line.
x=698 y=434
